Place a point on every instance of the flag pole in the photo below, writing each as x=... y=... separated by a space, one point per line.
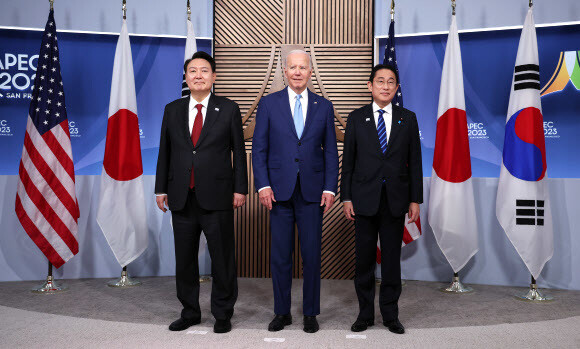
x=456 y=285
x=392 y=10
x=51 y=4
x=50 y=286
x=124 y=280
x=188 y=11
x=533 y=294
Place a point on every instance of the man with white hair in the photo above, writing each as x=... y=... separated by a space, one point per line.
x=295 y=163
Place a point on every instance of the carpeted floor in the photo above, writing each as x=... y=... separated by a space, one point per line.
x=490 y=316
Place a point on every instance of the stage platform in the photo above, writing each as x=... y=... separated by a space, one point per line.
x=90 y=314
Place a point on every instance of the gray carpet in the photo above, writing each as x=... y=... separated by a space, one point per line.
x=421 y=305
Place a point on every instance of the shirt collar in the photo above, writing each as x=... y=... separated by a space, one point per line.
x=293 y=94
x=388 y=108
x=193 y=102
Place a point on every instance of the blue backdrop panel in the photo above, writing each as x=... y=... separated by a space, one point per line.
x=87 y=66
x=488 y=63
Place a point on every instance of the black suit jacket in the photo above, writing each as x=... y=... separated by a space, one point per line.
x=218 y=174
x=364 y=166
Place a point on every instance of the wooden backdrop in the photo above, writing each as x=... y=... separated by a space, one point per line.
x=251 y=39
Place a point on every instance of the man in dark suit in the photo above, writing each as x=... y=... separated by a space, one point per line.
x=382 y=179
x=202 y=183
x=295 y=162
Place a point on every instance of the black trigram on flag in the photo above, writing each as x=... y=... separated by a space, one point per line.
x=184 y=88
x=529 y=212
x=527 y=76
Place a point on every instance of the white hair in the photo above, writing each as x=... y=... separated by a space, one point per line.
x=300 y=52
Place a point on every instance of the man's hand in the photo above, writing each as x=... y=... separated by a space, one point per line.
x=348 y=210
x=413 y=212
x=162 y=202
x=266 y=197
x=327 y=200
x=239 y=200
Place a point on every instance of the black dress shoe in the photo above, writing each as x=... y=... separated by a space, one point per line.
x=310 y=324
x=361 y=325
x=394 y=326
x=222 y=326
x=279 y=321
x=183 y=324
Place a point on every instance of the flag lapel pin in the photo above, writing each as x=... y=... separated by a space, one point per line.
x=217 y=109
x=368 y=119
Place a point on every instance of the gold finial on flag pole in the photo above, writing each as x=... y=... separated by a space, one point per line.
x=188 y=11
x=124 y=9
x=531 y=3
x=453 y=7
x=392 y=10
x=51 y=4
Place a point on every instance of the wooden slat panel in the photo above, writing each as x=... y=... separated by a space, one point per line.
x=340 y=32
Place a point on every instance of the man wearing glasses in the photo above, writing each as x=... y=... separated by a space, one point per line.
x=382 y=179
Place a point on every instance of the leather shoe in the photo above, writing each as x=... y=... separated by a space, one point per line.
x=310 y=324
x=222 y=326
x=279 y=321
x=394 y=326
x=361 y=325
x=183 y=324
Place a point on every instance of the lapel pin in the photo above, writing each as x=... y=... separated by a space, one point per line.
x=368 y=119
x=315 y=102
x=400 y=120
x=218 y=109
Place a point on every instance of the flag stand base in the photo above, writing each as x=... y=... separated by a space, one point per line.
x=124 y=281
x=50 y=286
x=456 y=286
x=204 y=278
x=534 y=295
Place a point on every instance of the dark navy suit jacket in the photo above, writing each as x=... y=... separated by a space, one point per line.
x=278 y=156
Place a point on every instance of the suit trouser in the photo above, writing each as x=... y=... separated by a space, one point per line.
x=218 y=227
x=308 y=218
x=390 y=232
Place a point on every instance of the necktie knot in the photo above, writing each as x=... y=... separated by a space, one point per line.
x=199 y=106
x=381 y=112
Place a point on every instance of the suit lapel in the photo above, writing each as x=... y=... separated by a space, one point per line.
x=310 y=110
x=285 y=102
x=395 y=126
x=210 y=118
x=371 y=128
x=184 y=115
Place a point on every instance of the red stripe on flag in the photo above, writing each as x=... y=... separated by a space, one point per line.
x=47 y=211
x=60 y=153
x=37 y=236
x=407 y=238
x=50 y=178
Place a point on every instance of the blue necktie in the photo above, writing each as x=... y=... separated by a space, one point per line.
x=298 y=118
x=382 y=131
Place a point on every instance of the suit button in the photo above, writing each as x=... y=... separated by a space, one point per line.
x=299 y=143
x=295 y=160
x=194 y=152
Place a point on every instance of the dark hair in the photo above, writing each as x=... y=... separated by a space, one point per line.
x=202 y=55
x=378 y=67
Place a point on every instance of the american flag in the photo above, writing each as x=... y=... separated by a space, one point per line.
x=412 y=231
x=46 y=203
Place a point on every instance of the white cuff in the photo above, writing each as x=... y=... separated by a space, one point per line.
x=329 y=192
x=259 y=190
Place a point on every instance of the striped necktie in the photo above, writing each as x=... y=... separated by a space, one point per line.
x=382 y=131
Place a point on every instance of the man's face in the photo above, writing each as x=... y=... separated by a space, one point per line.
x=297 y=71
x=199 y=76
x=383 y=87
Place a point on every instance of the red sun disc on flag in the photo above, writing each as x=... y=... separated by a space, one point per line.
x=451 y=160
x=123 y=149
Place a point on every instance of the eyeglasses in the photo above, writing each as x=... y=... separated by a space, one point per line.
x=381 y=83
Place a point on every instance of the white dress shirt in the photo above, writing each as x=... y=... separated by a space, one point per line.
x=304 y=102
x=387 y=116
x=193 y=114
x=193 y=110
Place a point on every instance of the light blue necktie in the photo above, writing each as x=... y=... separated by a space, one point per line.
x=298 y=118
x=382 y=131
